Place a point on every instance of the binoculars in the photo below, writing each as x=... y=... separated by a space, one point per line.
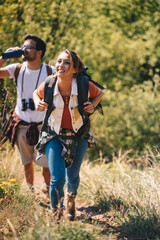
x=28 y=105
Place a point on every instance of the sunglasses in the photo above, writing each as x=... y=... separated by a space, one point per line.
x=28 y=47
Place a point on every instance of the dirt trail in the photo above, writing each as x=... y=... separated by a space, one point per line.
x=41 y=198
x=38 y=181
x=85 y=213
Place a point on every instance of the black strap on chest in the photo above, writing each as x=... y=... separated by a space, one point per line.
x=49 y=89
x=83 y=88
x=48 y=98
x=83 y=80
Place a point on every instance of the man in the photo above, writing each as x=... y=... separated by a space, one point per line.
x=26 y=124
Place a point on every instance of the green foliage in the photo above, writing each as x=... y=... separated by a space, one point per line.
x=120 y=43
x=7 y=187
x=130 y=121
x=59 y=233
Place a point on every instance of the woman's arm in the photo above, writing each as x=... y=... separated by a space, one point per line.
x=38 y=99
x=90 y=106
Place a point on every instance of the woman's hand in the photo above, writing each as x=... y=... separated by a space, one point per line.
x=39 y=103
x=41 y=106
x=89 y=107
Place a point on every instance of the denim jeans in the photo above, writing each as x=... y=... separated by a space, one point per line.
x=60 y=174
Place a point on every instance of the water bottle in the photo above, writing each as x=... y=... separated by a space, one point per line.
x=12 y=54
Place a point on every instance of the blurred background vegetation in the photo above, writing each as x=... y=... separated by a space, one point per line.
x=120 y=43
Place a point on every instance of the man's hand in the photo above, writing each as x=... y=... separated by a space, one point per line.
x=13 y=49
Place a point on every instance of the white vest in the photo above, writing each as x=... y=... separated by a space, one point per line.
x=55 y=118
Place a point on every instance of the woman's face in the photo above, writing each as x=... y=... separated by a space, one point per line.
x=64 y=66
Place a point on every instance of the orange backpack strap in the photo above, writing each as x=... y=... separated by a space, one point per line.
x=49 y=70
x=16 y=72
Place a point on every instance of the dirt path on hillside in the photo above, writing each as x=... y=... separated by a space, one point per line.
x=85 y=213
x=41 y=198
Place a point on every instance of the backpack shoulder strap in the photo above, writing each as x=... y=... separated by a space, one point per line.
x=16 y=72
x=49 y=89
x=48 y=98
x=83 y=88
x=49 y=70
x=99 y=106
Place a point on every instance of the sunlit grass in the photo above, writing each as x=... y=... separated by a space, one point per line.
x=115 y=200
x=131 y=196
x=10 y=166
x=16 y=206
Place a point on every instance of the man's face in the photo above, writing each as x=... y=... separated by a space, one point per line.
x=30 y=53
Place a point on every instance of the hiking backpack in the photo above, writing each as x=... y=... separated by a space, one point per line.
x=83 y=87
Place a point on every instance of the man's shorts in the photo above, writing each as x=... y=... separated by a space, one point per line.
x=27 y=152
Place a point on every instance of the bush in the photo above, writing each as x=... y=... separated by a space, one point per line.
x=130 y=121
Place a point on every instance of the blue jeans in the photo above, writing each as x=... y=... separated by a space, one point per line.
x=60 y=174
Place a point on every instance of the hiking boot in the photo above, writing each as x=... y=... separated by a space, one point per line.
x=31 y=188
x=71 y=207
x=57 y=213
x=45 y=190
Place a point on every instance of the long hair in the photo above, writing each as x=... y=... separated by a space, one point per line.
x=77 y=62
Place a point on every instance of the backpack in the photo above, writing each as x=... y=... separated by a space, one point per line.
x=83 y=87
x=18 y=68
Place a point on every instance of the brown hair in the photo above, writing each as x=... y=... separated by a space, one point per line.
x=77 y=62
x=40 y=44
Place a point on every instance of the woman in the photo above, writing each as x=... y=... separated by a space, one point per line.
x=64 y=147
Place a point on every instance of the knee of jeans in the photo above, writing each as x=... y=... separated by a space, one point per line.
x=59 y=182
x=72 y=180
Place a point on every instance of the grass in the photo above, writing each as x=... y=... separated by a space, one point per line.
x=115 y=201
x=129 y=198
